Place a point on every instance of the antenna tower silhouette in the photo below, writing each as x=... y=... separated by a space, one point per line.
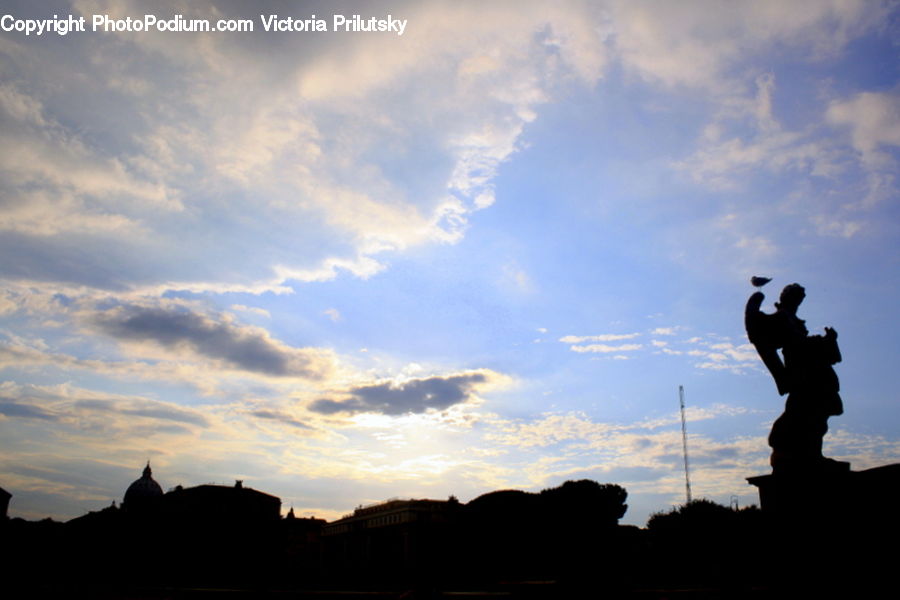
x=687 y=472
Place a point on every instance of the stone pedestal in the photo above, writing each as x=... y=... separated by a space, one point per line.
x=862 y=498
x=830 y=534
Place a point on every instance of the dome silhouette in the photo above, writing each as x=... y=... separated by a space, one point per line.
x=143 y=491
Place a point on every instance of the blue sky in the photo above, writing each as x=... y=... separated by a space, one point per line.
x=484 y=254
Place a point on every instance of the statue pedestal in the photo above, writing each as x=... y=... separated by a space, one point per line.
x=860 y=498
x=826 y=533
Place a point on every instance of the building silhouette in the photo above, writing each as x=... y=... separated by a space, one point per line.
x=205 y=533
x=4 y=502
x=209 y=535
x=396 y=538
x=143 y=494
x=220 y=504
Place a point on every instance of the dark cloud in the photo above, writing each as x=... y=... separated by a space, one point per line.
x=146 y=431
x=415 y=396
x=720 y=457
x=149 y=409
x=247 y=348
x=90 y=413
x=329 y=407
x=11 y=408
x=63 y=473
x=43 y=259
x=281 y=417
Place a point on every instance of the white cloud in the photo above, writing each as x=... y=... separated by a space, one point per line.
x=723 y=164
x=713 y=352
x=254 y=310
x=725 y=356
x=759 y=247
x=312 y=148
x=745 y=137
x=836 y=226
x=696 y=45
x=665 y=330
x=606 y=348
x=874 y=121
x=604 y=337
x=517 y=278
x=306 y=149
x=705 y=48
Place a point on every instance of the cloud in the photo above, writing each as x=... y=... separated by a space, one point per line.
x=605 y=348
x=517 y=278
x=280 y=417
x=606 y=337
x=698 y=45
x=725 y=356
x=411 y=396
x=575 y=340
x=705 y=51
x=144 y=408
x=13 y=409
x=745 y=138
x=722 y=164
x=339 y=148
x=645 y=456
x=874 y=121
x=252 y=310
x=86 y=408
x=240 y=347
x=708 y=352
x=46 y=154
x=665 y=331
x=30 y=354
x=863 y=450
x=342 y=149
x=548 y=429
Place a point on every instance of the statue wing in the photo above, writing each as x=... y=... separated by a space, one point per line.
x=762 y=330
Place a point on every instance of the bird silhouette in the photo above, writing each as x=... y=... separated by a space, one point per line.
x=760 y=281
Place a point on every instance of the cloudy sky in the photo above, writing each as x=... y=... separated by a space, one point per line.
x=484 y=254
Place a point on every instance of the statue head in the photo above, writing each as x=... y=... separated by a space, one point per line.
x=791 y=297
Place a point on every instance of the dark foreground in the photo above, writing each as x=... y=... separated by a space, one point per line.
x=503 y=545
x=544 y=590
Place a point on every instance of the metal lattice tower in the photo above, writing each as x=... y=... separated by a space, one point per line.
x=687 y=471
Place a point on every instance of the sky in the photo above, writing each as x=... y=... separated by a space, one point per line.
x=347 y=266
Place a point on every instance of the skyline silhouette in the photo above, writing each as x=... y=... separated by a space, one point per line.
x=564 y=542
x=480 y=255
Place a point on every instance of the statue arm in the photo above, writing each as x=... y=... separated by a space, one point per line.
x=834 y=353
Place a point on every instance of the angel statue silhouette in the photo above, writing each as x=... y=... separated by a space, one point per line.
x=804 y=372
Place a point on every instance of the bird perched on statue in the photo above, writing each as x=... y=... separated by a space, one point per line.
x=760 y=281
